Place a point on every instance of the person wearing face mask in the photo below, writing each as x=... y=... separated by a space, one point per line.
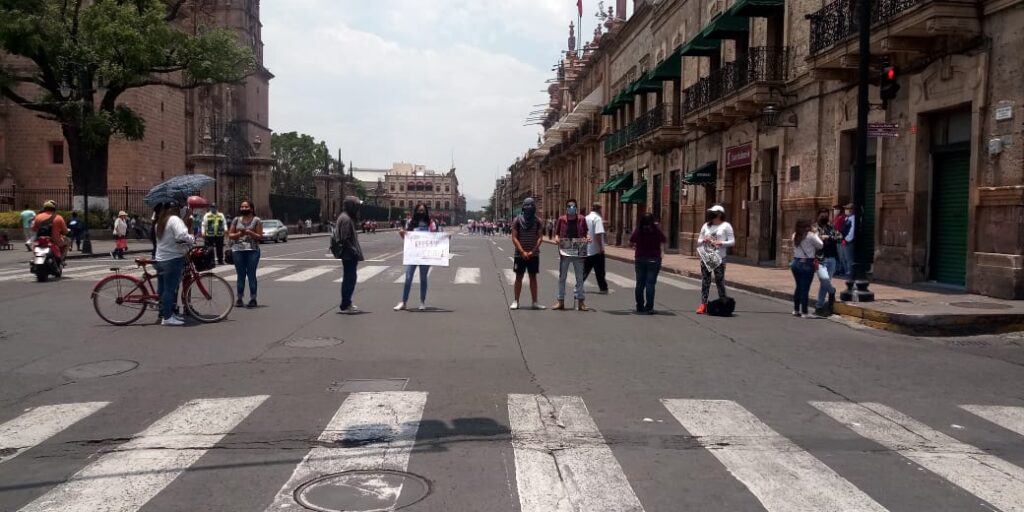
x=571 y=226
x=527 y=237
x=420 y=221
x=716 y=236
x=245 y=234
x=214 y=225
x=828 y=261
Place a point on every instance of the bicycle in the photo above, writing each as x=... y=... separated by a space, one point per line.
x=121 y=299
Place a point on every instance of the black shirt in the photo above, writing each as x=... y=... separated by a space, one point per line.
x=572 y=228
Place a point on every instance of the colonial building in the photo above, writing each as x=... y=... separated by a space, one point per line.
x=220 y=130
x=752 y=104
x=408 y=184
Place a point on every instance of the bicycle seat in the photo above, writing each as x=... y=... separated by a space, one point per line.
x=142 y=262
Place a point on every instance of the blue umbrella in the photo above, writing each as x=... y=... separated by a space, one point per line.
x=177 y=189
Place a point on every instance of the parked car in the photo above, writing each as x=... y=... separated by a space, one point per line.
x=274 y=230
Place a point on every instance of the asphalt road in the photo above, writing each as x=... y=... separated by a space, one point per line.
x=495 y=410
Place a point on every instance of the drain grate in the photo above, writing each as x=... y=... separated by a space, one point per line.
x=100 y=369
x=980 y=305
x=362 y=491
x=317 y=342
x=368 y=385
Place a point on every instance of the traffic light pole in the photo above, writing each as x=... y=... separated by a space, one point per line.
x=857 y=285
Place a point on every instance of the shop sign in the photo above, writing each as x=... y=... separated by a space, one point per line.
x=1004 y=112
x=739 y=156
x=883 y=130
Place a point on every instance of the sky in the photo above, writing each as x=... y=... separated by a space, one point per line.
x=417 y=80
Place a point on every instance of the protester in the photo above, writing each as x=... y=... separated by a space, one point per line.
x=716 y=236
x=120 y=233
x=805 y=246
x=50 y=223
x=214 y=226
x=27 y=216
x=595 y=251
x=570 y=226
x=527 y=238
x=827 y=262
x=849 y=232
x=351 y=252
x=245 y=234
x=420 y=221
x=838 y=223
x=76 y=227
x=173 y=241
x=646 y=240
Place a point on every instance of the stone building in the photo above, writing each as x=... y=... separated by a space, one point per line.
x=408 y=184
x=219 y=130
x=752 y=104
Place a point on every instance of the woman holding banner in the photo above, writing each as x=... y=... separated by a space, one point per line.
x=420 y=222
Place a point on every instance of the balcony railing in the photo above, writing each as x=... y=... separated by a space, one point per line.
x=761 y=64
x=838 y=20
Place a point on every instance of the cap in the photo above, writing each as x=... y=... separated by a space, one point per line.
x=122 y=213
x=50 y=204
x=717 y=208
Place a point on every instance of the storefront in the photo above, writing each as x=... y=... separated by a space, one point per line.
x=737 y=193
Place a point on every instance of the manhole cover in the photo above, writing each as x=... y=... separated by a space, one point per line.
x=100 y=369
x=981 y=305
x=362 y=491
x=320 y=342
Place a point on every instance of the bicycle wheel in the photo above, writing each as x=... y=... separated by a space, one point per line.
x=119 y=299
x=209 y=298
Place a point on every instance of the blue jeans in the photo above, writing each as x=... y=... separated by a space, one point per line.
x=245 y=268
x=348 y=282
x=168 y=279
x=825 y=286
x=646 y=279
x=803 y=273
x=410 y=271
x=563 y=272
x=846 y=256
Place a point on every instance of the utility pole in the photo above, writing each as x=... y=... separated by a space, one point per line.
x=857 y=286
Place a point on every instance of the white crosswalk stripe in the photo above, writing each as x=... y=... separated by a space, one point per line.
x=562 y=461
x=1010 y=418
x=126 y=479
x=510 y=275
x=78 y=271
x=682 y=285
x=467 y=275
x=261 y=271
x=979 y=473
x=39 y=424
x=364 y=274
x=618 y=280
x=389 y=419
x=308 y=274
x=782 y=476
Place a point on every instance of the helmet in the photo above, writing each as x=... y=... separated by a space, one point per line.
x=50 y=205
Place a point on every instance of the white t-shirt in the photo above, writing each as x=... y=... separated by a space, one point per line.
x=595 y=226
x=167 y=246
x=722 y=232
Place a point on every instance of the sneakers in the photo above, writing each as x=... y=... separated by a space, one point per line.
x=538 y=306
x=399 y=307
x=351 y=310
x=796 y=313
x=173 y=321
x=239 y=303
x=703 y=309
x=252 y=303
x=514 y=306
x=423 y=306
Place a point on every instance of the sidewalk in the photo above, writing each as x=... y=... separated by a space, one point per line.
x=916 y=310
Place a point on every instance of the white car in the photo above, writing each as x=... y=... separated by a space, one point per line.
x=274 y=230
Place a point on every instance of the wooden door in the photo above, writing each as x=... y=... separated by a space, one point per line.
x=738 y=213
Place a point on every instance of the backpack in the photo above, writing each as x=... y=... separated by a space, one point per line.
x=46 y=227
x=723 y=306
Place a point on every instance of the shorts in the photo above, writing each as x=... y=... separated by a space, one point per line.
x=531 y=266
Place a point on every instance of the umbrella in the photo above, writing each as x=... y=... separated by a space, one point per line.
x=177 y=189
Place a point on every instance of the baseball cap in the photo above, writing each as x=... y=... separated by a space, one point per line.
x=717 y=208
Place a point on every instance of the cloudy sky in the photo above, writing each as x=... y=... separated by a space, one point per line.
x=415 y=80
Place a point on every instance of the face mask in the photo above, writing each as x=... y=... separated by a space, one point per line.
x=245 y=211
x=571 y=210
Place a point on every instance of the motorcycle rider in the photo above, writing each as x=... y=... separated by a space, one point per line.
x=50 y=223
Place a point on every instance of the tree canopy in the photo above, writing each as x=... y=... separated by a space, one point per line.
x=298 y=158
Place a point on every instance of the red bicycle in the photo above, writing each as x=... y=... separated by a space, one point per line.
x=121 y=299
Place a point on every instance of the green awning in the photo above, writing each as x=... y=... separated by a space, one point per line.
x=604 y=186
x=757 y=8
x=620 y=182
x=706 y=174
x=647 y=83
x=670 y=68
x=700 y=47
x=636 y=195
x=726 y=26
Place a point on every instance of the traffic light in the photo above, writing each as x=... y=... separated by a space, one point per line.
x=888 y=85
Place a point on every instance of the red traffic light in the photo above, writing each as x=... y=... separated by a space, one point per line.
x=890 y=73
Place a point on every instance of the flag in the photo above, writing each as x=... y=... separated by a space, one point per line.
x=579 y=7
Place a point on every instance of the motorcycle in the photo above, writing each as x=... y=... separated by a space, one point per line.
x=46 y=259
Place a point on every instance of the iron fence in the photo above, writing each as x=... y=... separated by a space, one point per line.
x=121 y=198
x=838 y=20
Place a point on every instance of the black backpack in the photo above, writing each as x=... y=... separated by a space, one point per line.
x=722 y=307
x=45 y=227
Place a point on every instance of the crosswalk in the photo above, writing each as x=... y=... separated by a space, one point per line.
x=563 y=462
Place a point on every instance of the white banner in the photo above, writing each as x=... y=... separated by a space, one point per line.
x=426 y=248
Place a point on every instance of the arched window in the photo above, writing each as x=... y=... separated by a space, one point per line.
x=419 y=186
x=430 y=187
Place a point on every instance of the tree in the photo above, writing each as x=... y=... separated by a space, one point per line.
x=360 y=190
x=74 y=59
x=298 y=158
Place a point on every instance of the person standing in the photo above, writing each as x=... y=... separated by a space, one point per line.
x=245 y=234
x=27 y=216
x=351 y=252
x=173 y=239
x=120 y=235
x=805 y=246
x=595 y=251
x=646 y=240
x=849 y=233
x=214 y=225
x=527 y=237
x=76 y=227
x=838 y=223
x=716 y=236
x=420 y=221
x=570 y=226
x=827 y=264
